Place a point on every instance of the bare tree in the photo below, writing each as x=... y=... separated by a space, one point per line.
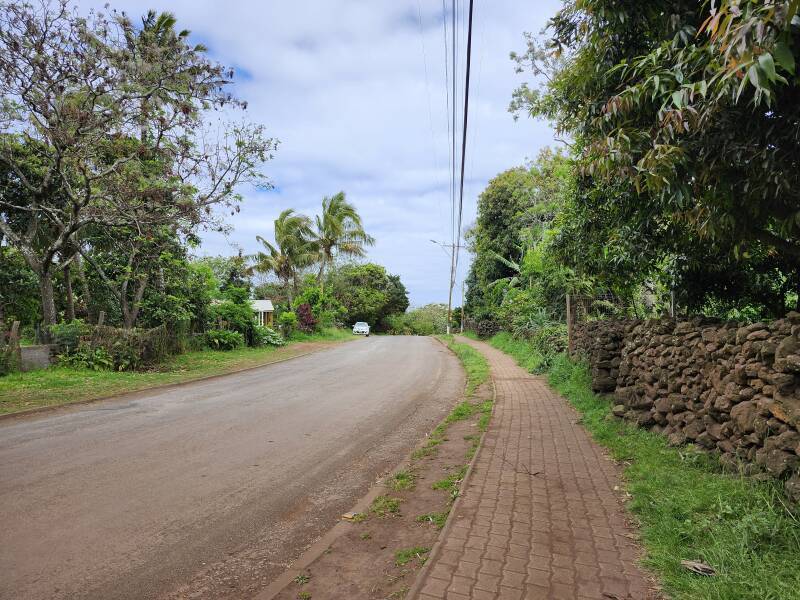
x=107 y=124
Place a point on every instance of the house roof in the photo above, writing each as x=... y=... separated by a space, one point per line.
x=262 y=305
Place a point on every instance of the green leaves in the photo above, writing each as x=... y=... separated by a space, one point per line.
x=784 y=57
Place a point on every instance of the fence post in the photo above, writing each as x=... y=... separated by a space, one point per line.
x=14 y=348
x=570 y=340
x=101 y=317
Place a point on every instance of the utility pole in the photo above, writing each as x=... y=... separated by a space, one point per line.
x=462 y=306
x=452 y=280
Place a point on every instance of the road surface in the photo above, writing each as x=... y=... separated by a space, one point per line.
x=210 y=489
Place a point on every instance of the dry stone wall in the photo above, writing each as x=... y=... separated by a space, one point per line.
x=728 y=387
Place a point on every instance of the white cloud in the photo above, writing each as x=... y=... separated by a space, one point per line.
x=343 y=85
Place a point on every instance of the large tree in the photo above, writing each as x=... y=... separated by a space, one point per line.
x=106 y=125
x=294 y=250
x=685 y=119
x=339 y=232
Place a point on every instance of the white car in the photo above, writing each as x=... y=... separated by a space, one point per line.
x=361 y=328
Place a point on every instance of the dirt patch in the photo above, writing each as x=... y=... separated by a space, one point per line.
x=383 y=547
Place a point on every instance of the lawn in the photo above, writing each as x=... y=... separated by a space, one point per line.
x=687 y=508
x=60 y=385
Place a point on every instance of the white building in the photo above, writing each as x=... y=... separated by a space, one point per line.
x=264 y=312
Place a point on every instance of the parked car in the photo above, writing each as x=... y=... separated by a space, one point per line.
x=361 y=328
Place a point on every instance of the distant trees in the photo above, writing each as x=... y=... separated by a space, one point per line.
x=104 y=127
x=368 y=293
x=350 y=291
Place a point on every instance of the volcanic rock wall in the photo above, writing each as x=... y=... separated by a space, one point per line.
x=723 y=386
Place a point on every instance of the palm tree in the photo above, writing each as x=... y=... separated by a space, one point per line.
x=294 y=249
x=339 y=233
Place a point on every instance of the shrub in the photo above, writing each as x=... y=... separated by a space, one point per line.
x=236 y=313
x=305 y=318
x=222 y=339
x=264 y=336
x=486 y=327
x=67 y=336
x=84 y=356
x=287 y=322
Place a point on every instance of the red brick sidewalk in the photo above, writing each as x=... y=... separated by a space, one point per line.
x=539 y=518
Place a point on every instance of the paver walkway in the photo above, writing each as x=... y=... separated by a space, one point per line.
x=539 y=518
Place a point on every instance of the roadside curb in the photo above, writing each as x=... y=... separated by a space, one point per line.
x=436 y=549
x=318 y=548
x=156 y=388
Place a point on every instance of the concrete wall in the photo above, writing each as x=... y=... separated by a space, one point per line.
x=36 y=357
x=726 y=387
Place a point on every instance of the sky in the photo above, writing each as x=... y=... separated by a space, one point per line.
x=355 y=91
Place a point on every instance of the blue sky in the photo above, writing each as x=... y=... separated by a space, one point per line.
x=355 y=91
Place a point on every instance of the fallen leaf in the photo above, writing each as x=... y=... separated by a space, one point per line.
x=698 y=567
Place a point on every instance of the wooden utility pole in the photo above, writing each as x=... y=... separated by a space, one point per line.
x=452 y=279
x=462 y=306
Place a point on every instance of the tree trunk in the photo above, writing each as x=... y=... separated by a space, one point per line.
x=130 y=311
x=69 y=312
x=87 y=297
x=48 y=298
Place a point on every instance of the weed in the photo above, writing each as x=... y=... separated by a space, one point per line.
x=402 y=480
x=366 y=535
x=359 y=517
x=461 y=412
x=452 y=481
x=435 y=518
x=403 y=557
x=304 y=595
x=302 y=579
x=383 y=506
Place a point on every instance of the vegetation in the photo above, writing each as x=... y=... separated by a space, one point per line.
x=384 y=506
x=405 y=556
x=402 y=480
x=61 y=385
x=430 y=319
x=103 y=201
x=678 y=186
x=474 y=363
x=690 y=510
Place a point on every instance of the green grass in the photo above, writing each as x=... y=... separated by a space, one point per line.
x=438 y=519
x=403 y=557
x=61 y=385
x=452 y=482
x=474 y=363
x=384 y=506
x=526 y=355
x=689 y=509
x=402 y=480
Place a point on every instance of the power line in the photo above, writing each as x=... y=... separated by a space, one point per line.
x=466 y=116
x=456 y=245
x=428 y=96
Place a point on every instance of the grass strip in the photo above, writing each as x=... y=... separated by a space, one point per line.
x=60 y=385
x=474 y=363
x=688 y=509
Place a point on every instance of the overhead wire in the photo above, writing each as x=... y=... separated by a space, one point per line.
x=464 y=129
x=428 y=96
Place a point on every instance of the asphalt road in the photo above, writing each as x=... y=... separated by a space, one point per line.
x=210 y=489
